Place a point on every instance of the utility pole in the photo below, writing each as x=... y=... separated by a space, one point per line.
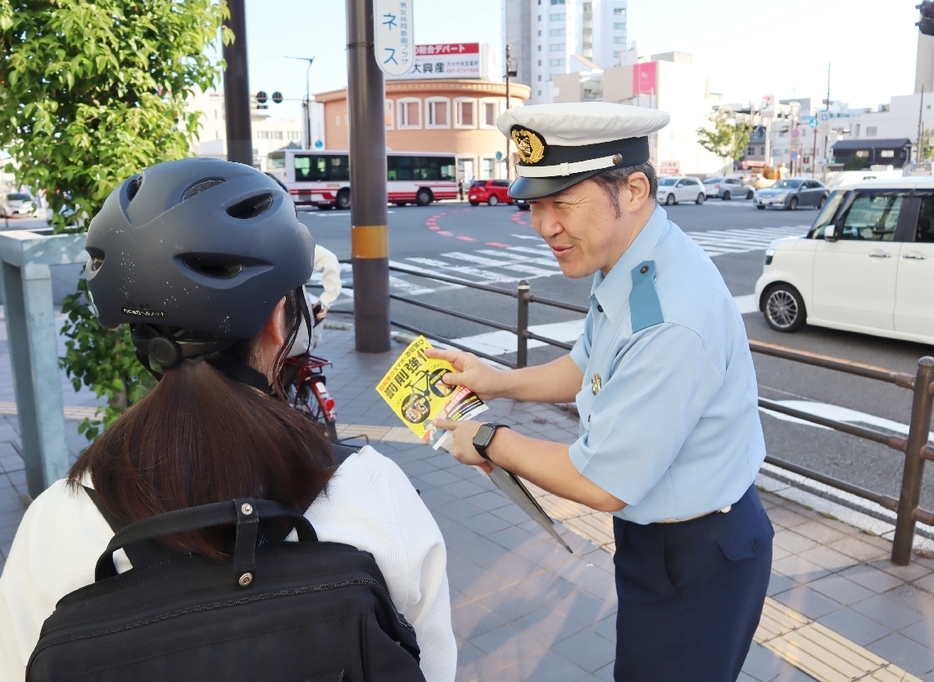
x=918 y=155
x=827 y=132
x=237 y=89
x=369 y=234
x=306 y=104
x=509 y=74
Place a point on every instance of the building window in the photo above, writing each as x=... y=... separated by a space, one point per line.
x=558 y=47
x=887 y=153
x=615 y=54
x=539 y=62
x=619 y=11
x=556 y=17
x=619 y=26
x=466 y=113
x=872 y=131
x=863 y=154
x=557 y=62
x=409 y=113
x=437 y=113
x=539 y=32
x=487 y=168
x=539 y=78
x=488 y=111
x=557 y=2
x=556 y=32
x=390 y=106
x=619 y=40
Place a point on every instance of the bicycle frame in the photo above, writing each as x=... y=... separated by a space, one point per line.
x=306 y=390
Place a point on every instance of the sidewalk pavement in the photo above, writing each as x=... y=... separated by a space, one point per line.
x=525 y=609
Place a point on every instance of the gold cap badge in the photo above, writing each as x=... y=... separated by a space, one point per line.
x=530 y=145
x=596 y=383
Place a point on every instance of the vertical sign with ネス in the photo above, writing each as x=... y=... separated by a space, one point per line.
x=394 y=45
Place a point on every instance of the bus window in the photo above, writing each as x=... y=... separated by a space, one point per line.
x=339 y=169
x=400 y=168
x=310 y=168
x=448 y=168
x=275 y=160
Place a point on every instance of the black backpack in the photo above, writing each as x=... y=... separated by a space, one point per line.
x=306 y=611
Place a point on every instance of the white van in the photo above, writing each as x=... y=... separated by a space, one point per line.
x=866 y=265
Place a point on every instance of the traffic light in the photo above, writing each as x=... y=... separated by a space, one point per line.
x=926 y=23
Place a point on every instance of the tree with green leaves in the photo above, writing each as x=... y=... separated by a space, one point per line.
x=725 y=136
x=92 y=91
x=927 y=148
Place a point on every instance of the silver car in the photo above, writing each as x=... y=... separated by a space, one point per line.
x=17 y=203
x=727 y=188
x=791 y=193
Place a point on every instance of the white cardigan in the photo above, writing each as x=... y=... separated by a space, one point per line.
x=369 y=504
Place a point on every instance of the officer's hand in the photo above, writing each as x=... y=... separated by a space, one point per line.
x=461 y=443
x=472 y=372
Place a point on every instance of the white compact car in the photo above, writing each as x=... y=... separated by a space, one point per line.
x=867 y=264
x=672 y=189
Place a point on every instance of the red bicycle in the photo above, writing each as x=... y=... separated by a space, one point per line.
x=306 y=390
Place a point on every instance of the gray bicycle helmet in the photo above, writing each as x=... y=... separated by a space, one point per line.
x=200 y=245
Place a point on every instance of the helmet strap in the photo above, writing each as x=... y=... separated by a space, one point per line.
x=240 y=372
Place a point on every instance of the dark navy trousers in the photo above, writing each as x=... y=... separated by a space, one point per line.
x=691 y=594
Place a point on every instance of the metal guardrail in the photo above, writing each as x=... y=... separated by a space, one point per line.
x=915 y=447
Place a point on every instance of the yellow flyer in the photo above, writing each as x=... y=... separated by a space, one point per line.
x=414 y=389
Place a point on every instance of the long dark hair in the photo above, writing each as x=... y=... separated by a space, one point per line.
x=200 y=437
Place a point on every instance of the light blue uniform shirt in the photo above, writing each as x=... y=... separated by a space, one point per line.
x=673 y=428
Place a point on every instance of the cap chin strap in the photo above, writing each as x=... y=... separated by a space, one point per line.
x=562 y=169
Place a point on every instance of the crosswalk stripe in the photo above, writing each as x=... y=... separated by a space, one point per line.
x=547 y=260
x=513 y=265
x=482 y=275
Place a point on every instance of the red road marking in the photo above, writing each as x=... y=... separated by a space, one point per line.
x=498 y=244
x=446 y=234
x=467 y=239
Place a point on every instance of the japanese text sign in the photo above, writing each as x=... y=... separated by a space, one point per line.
x=394 y=47
x=446 y=60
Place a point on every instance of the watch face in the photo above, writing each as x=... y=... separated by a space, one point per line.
x=484 y=434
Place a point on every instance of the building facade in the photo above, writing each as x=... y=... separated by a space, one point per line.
x=269 y=134
x=456 y=116
x=545 y=35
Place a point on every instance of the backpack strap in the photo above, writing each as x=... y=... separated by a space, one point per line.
x=342 y=452
x=141 y=554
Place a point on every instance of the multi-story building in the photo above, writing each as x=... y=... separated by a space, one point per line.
x=545 y=36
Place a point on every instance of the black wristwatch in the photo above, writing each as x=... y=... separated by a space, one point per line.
x=484 y=436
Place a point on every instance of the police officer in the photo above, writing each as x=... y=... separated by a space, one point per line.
x=669 y=439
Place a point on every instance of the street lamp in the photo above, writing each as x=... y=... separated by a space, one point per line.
x=307 y=103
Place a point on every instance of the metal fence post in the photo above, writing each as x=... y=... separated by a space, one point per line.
x=30 y=323
x=522 y=326
x=918 y=430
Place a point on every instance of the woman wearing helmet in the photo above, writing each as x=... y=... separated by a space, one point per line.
x=205 y=260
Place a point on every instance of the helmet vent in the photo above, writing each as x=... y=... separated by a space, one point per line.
x=250 y=208
x=133 y=187
x=200 y=186
x=213 y=268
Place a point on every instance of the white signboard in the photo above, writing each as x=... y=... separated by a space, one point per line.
x=768 y=106
x=446 y=60
x=394 y=47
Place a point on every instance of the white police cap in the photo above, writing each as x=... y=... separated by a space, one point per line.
x=562 y=144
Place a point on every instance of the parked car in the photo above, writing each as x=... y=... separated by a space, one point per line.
x=672 y=189
x=491 y=192
x=17 y=203
x=791 y=193
x=866 y=265
x=521 y=204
